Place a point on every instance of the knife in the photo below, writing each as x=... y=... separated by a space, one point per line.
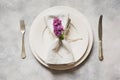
x=100 y=38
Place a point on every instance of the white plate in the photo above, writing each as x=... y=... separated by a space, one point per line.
x=39 y=48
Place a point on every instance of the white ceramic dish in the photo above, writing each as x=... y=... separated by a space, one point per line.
x=39 y=48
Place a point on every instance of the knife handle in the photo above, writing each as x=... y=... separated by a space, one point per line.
x=100 y=51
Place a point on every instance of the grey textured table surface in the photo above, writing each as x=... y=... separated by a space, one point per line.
x=12 y=67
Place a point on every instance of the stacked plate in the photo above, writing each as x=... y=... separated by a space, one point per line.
x=80 y=51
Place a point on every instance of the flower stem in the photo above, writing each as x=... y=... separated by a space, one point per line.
x=61 y=37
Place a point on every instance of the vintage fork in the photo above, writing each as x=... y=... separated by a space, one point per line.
x=22 y=29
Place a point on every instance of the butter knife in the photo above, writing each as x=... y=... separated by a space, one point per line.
x=100 y=38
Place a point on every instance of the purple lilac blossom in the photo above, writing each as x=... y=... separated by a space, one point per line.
x=58 y=28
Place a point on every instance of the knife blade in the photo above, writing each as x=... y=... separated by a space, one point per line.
x=100 y=38
x=100 y=27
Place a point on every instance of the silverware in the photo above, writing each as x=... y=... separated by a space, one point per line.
x=22 y=29
x=100 y=38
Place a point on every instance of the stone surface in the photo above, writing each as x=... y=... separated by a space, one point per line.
x=12 y=67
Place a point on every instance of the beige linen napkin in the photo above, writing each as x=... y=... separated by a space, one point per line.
x=63 y=54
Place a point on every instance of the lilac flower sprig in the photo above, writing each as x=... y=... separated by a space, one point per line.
x=58 y=28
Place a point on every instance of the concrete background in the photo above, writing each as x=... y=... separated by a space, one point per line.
x=12 y=67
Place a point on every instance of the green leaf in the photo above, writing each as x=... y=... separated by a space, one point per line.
x=61 y=37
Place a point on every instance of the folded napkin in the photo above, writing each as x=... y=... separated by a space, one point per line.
x=60 y=51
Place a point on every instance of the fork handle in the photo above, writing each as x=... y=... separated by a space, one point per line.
x=100 y=51
x=23 y=55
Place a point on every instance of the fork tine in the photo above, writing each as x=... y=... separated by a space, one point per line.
x=22 y=24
